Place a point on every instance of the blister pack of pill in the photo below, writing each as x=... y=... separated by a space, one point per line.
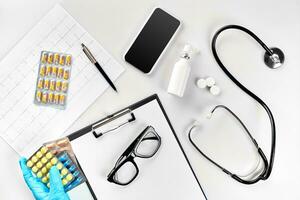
x=53 y=79
x=41 y=162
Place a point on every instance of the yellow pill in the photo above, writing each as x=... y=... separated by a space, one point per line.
x=50 y=97
x=69 y=177
x=64 y=171
x=44 y=57
x=40 y=83
x=62 y=60
x=58 y=85
x=59 y=166
x=60 y=72
x=42 y=70
x=56 y=58
x=48 y=70
x=44 y=150
x=54 y=71
x=34 y=159
x=50 y=58
x=39 y=174
x=44 y=160
x=52 y=85
x=38 y=96
x=67 y=74
x=34 y=169
x=39 y=154
x=46 y=83
x=53 y=161
x=48 y=165
x=44 y=170
x=44 y=97
x=56 y=98
x=68 y=60
x=49 y=155
x=29 y=163
x=65 y=181
x=39 y=165
x=45 y=180
x=64 y=86
x=62 y=99
x=48 y=185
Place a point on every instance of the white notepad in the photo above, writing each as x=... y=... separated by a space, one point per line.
x=24 y=125
x=164 y=176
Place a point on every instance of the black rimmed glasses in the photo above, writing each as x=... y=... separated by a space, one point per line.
x=144 y=146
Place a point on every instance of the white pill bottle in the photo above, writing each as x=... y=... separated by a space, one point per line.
x=181 y=72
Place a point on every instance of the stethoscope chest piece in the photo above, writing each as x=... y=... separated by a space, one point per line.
x=275 y=60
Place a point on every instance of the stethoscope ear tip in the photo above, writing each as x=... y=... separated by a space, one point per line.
x=275 y=60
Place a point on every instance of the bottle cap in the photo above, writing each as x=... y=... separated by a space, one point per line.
x=189 y=51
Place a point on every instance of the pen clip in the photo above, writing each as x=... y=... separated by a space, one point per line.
x=113 y=122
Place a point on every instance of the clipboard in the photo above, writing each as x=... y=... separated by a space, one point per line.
x=130 y=117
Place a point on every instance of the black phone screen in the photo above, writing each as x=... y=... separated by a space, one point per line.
x=152 y=40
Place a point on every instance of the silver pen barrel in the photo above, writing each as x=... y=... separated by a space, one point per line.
x=88 y=54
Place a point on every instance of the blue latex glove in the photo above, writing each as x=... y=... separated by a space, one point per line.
x=38 y=189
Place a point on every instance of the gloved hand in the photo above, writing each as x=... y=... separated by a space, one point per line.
x=38 y=189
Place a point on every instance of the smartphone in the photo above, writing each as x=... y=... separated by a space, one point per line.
x=152 y=40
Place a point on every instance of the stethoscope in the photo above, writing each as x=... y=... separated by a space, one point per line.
x=273 y=58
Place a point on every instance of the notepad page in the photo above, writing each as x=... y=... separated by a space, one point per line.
x=24 y=125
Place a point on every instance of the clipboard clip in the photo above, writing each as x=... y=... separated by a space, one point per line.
x=113 y=122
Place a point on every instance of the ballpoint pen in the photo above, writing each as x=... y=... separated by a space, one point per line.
x=94 y=61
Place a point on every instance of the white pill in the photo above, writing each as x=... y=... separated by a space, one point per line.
x=201 y=83
x=210 y=81
x=215 y=90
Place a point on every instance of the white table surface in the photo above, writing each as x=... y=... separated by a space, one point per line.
x=115 y=22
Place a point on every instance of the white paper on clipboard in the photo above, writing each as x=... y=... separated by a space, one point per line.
x=167 y=175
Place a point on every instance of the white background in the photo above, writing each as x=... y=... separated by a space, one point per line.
x=114 y=24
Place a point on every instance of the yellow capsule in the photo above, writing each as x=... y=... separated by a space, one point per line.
x=60 y=72
x=44 y=97
x=54 y=161
x=44 y=57
x=39 y=174
x=49 y=165
x=49 y=155
x=64 y=86
x=62 y=99
x=58 y=86
x=68 y=60
x=59 y=166
x=44 y=150
x=44 y=170
x=50 y=58
x=50 y=97
x=56 y=58
x=45 y=179
x=65 y=181
x=39 y=165
x=38 y=96
x=39 y=154
x=62 y=60
x=52 y=85
x=34 y=159
x=34 y=169
x=42 y=70
x=64 y=171
x=48 y=185
x=54 y=71
x=56 y=98
x=48 y=70
x=29 y=163
x=69 y=177
x=46 y=84
x=40 y=83
x=44 y=160
x=67 y=74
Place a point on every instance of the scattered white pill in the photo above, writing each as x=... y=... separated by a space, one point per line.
x=201 y=83
x=215 y=90
x=210 y=81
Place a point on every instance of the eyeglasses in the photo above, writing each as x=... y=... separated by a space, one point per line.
x=144 y=146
